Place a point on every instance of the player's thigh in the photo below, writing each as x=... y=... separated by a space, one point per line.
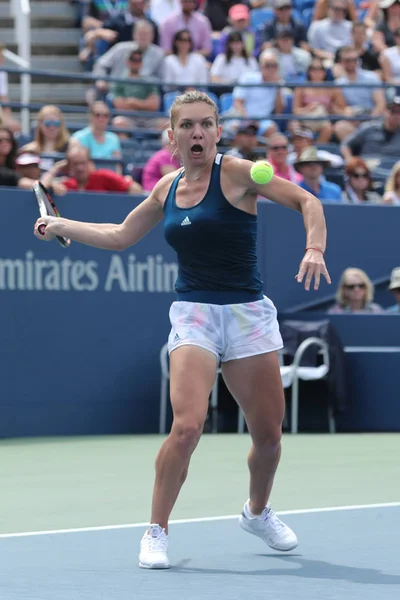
x=256 y=384
x=192 y=376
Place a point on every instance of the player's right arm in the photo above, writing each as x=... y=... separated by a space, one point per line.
x=108 y=236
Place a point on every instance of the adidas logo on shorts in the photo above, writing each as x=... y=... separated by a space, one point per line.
x=176 y=338
x=186 y=221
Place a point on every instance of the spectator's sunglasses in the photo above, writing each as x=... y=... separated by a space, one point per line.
x=100 y=115
x=353 y=286
x=52 y=123
x=363 y=175
x=184 y=38
x=282 y=147
x=135 y=59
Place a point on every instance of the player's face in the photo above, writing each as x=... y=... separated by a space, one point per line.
x=196 y=132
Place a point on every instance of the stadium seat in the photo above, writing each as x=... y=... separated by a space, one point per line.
x=307 y=15
x=169 y=98
x=260 y=16
x=225 y=102
x=302 y=5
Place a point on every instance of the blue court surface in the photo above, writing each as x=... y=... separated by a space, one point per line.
x=347 y=553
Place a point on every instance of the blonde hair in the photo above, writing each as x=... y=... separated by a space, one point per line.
x=369 y=286
x=63 y=135
x=391 y=181
x=191 y=98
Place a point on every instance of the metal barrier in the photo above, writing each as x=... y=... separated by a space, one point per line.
x=21 y=11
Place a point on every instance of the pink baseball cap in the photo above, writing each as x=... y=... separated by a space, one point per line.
x=238 y=12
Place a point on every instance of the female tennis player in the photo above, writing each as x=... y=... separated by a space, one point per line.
x=221 y=314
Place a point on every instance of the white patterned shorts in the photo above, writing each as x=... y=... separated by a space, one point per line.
x=230 y=331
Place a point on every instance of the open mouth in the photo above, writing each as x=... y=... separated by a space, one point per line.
x=196 y=150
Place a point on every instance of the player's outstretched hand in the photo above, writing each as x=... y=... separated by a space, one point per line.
x=42 y=228
x=312 y=265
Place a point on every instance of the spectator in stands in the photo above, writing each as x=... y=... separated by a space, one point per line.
x=184 y=66
x=8 y=152
x=113 y=62
x=321 y=10
x=394 y=287
x=278 y=151
x=392 y=186
x=124 y=23
x=51 y=135
x=98 y=12
x=162 y=162
x=260 y=103
x=239 y=22
x=160 y=10
x=328 y=35
x=311 y=165
x=318 y=102
x=368 y=58
x=231 y=64
x=28 y=165
x=100 y=142
x=383 y=36
x=355 y=293
x=293 y=61
x=188 y=18
x=284 y=21
x=361 y=100
x=245 y=142
x=137 y=92
x=380 y=139
x=82 y=176
x=358 y=189
x=6 y=116
x=218 y=12
x=390 y=60
x=303 y=138
x=120 y=122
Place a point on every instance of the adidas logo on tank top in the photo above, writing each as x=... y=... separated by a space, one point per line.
x=186 y=221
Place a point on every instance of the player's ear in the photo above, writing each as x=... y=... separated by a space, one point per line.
x=219 y=132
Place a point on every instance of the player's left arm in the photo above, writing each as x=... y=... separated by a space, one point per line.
x=292 y=196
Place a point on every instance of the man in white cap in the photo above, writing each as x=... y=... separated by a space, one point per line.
x=394 y=287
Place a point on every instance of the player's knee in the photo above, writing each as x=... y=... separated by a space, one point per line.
x=270 y=439
x=187 y=434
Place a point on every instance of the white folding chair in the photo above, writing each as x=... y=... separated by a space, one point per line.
x=164 y=361
x=292 y=374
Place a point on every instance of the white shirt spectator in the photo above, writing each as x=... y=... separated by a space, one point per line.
x=392 y=55
x=234 y=69
x=330 y=36
x=259 y=102
x=195 y=71
x=362 y=97
x=162 y=9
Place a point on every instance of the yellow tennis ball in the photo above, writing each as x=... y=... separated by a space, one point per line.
x=261 y=172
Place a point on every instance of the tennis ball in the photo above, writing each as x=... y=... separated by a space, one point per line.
x=261 y=172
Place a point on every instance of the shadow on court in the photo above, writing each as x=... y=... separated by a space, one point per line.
x=312 y=569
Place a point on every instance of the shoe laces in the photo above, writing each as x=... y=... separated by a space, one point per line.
x=158 y=543
x=269 y=515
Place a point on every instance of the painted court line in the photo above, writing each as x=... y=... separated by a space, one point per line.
x=301 y=511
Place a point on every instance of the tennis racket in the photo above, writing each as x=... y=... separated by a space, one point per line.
x=47 y=208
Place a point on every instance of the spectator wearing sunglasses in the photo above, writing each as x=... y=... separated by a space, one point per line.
x=359 y=183
x=394 y=287
x=184 y=66
x=100 y=142
x=187 y=18
x=51 y=136
x=278 y=152
x=355 y=294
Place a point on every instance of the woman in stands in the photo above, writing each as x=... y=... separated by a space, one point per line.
x=51 y=135
x=231 y=64
x=318 y=102
x=355 y=294
x=209 y=208
x=184 y=66
x=100 y=142
x=392 y=187
x=8 y=152
x=358 y=189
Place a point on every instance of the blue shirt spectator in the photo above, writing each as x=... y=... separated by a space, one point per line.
x=311 y=165
x=100 y=142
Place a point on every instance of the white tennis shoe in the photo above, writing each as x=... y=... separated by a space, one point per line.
x=153 y=549
x=269 y=528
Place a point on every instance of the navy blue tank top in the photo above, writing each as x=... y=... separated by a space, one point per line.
x=216 y=245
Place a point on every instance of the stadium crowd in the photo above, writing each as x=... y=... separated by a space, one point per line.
x=341 y=143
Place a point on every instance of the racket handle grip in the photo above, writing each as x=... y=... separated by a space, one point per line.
x=42 y=229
